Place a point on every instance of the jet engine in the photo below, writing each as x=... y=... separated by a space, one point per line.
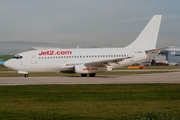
x=83 y=69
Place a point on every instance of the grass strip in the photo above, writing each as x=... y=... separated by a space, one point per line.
x=132 y=101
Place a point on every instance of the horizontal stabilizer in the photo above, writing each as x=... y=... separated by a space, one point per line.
x=159 y=49
x=154 y=52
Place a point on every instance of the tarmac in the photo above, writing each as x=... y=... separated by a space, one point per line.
x=171 y=77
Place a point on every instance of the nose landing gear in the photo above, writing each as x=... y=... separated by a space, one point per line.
x=25 y=75
x=24 y=72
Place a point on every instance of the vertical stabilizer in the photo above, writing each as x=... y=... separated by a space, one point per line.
x=148 y=37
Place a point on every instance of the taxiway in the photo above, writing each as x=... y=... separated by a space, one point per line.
x=172 y=77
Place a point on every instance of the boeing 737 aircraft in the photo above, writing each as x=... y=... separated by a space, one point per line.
x=89 y=61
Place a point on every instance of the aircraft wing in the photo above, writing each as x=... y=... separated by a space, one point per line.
x=100 y=63
x=105 y=62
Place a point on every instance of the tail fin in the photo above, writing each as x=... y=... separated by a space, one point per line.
x=148 y=37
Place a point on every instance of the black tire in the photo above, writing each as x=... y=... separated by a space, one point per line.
x=25 y=75
x=83 y=75
x=92 y=74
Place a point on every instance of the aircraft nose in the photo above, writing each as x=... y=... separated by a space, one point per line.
x=12 y=64
x=8 y=64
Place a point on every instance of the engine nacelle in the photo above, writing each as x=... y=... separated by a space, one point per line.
x=68 y=69
x=90 y=69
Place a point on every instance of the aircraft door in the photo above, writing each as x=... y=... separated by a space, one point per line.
x=33 y=58
x=132 y=56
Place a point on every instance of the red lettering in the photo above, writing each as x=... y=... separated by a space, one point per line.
x=44 y=53
x=68 y=52
x=47 y=52
x=62 y=52
x=51 y=52
x=93 y=69
x=40 y=53
x=85 y=68
x=58 y=53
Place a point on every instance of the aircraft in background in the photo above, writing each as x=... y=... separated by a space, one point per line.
x=1 y=63
x=89 y=61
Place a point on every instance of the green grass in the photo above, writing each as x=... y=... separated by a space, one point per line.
x=2 y=68
x=100 y=102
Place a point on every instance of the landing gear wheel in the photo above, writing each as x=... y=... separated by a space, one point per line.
x=92 y=74
x=83 y=75
x=25 y=75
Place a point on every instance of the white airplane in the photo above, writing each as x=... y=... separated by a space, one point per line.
x=86 y=61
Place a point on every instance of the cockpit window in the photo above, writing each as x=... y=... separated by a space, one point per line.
x=17 y=57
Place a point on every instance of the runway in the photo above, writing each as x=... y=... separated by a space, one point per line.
x=173 y=77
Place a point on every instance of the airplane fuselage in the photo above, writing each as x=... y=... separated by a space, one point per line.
x=61 y=59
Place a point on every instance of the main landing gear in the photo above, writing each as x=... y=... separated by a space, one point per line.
x=90 y=75
x=83 y=75
x=26 y=75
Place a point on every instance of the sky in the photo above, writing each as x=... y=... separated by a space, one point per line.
x=84 y=23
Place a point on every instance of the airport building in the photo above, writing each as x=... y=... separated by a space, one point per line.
x=170 y=55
